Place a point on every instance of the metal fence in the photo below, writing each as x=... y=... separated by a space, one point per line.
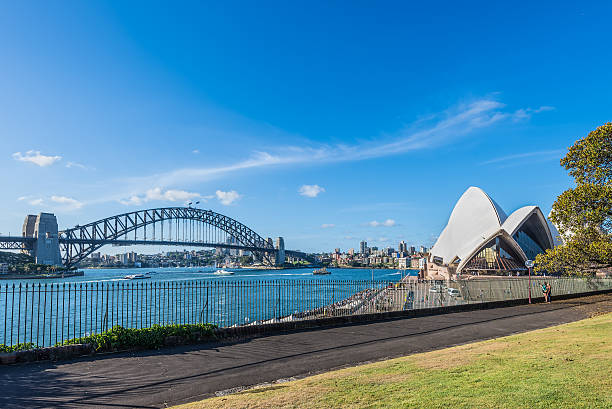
x=45 y=314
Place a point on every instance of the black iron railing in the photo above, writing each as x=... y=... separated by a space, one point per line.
x=45 y=314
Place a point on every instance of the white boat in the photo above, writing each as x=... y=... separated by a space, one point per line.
x=321 y=272
x=136 y=277
x=223 y=273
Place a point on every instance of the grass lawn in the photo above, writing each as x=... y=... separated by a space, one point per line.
x=569 y=366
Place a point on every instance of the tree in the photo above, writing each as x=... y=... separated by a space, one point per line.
x=583 y=214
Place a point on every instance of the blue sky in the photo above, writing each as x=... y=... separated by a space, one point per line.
x=323 y=122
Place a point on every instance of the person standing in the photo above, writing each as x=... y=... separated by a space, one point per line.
x=545 y=291
x=548 y=291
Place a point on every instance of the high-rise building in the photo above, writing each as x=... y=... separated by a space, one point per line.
x=412 y=250
x=363 y=247
x=402 y=246
x=351 y=252
x=423 y=249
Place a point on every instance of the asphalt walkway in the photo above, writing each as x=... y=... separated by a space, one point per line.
x=171 y=376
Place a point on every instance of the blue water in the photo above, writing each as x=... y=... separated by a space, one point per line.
x=95 y=275
x=48 y=311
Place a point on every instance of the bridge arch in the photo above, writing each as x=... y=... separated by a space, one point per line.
x=200 y=227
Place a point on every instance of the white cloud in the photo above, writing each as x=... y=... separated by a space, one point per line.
x=433 y=131
x=539 y=155
x=195 y=151
x=132 y=201
x=158 y=194
x=69 y=202
x=311 y=190
x=386 y=223
x=170 y=195
x=76 y=165
x=36 y=158
x=526 y=113
x=543 y=108
x=227 y=198
x=36 y=202
x=426 y=132
x=327 y=225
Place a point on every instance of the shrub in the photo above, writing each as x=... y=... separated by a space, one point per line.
x=154 y=337
x=18 y=347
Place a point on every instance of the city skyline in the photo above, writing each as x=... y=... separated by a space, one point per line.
x=103 y=113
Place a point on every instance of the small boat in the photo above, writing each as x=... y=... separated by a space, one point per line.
x=223 y=273
x=321 y=272
x=136 y=277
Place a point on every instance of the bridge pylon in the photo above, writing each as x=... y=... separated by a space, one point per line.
x=43 y=228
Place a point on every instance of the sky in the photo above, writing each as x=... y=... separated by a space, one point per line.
x=326 y=122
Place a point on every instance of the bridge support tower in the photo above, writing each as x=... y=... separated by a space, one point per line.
x=43 y=228
x=280 y=254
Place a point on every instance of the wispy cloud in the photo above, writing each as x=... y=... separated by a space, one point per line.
x=526 y=113
x=426 y=133
x=327 y=225
x=36 y=158
x=430 y=132
x=67 y=202
x=71 y=165
x=520 y=157
x=386 y=223
x=311 y=190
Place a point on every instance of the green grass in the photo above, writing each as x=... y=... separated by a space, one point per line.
x=569 y=366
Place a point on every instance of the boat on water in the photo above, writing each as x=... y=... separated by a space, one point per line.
x=321 y=272
x=136 y=277
x=223 y=273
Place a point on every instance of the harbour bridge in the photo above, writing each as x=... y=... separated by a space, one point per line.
x=168 y=226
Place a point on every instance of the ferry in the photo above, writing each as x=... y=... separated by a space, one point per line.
x=321 y=272
x=223 y=273
x=136 y=277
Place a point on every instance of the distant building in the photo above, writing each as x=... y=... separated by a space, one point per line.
x=363 y=247
x=402 y=246
x=351 y=252
x=131 y=257
x=403 y=263
x=423 y=250
x=3 y=268
x=412 y=250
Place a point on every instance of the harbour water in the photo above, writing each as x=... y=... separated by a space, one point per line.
x=45 y=312
x=99 y=275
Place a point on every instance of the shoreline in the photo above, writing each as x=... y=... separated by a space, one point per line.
x=41 y=276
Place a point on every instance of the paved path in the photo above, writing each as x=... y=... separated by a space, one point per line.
x=162 y=378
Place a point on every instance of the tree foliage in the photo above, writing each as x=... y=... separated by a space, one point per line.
x=583 y=214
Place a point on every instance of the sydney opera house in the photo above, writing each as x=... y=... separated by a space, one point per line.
x=480 y=239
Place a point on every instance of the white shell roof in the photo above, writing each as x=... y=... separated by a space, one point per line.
x=475 y=219
x=514 y=221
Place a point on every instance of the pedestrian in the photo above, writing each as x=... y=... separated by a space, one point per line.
x=545 y=291
x=548 y=291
